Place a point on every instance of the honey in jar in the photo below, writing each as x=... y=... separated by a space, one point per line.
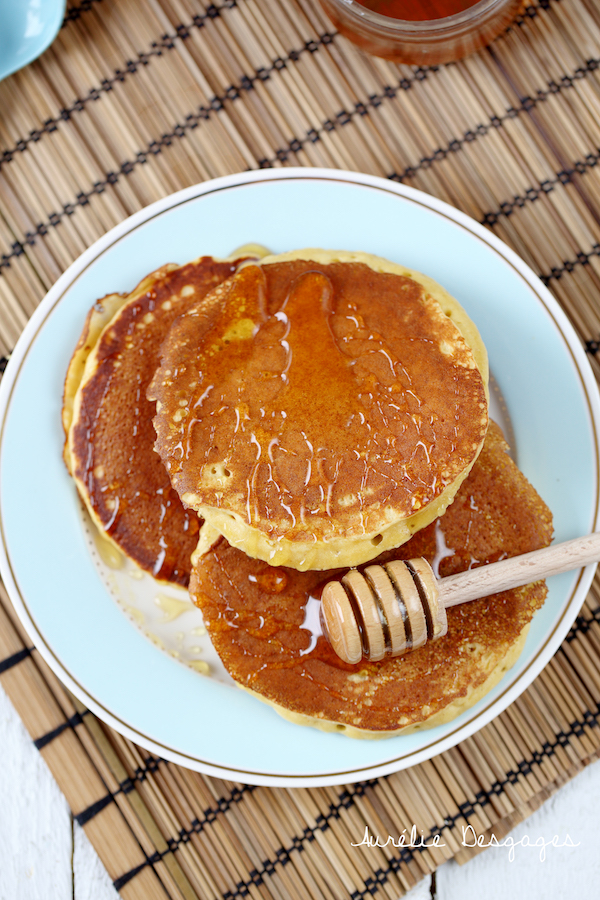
x=421 y=32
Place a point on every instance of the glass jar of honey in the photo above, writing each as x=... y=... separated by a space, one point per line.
x=421 y=32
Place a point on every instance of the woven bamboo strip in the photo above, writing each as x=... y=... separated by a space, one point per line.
x=193 y=865
x=502 y=761
x=589 y=643
x=450 y=779
x=573 y=656
x=494 y=767
x=11 y=641
x=518 y=718
x=259 y=834
x=517 y=747
x=368 y=858
x=350 y=833
x=272 y=806
x=219 y=847
x=545 y=716
x=139 y=815
x=430 y=812
x=517 y=724
x=474 y=787
x=37 y=707
x=21 y=285
x=439 y=789
x=571 y=693
x=391 y=813
x=480 y=767
x=594 y=637
x=356 y=858
x=162 y=73
x=533 y=777
x=409 y=871
x=553 y=689
x=592 y=601
x=299 y=874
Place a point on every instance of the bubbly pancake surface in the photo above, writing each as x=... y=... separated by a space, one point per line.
x=315 y=410
x=261 y=619
x=110 y=446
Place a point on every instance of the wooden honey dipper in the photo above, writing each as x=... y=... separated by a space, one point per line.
x=398 y=606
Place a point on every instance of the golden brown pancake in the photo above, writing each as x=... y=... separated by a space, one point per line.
x=320 y=407
x=255 y=616
x=110 y=445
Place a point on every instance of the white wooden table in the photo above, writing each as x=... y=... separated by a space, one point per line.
x=44 y=855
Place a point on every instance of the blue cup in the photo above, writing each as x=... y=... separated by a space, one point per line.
x=27 y=28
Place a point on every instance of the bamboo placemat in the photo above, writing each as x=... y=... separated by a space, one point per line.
x=138 y=98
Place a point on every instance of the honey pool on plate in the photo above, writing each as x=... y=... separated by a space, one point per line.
x=162 y=612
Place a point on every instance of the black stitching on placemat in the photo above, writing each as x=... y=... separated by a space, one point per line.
x=20 y=655
x=72 y=722
x=182 y=31
x=75 y=12
x=580 y=167
x=155 y=147
x=167 y=42
x=568 y=265
x=527 y=104
x=151 y=764
x=192 y=121
x=209 y=815
x=296 y=144
x=344 y=117
x=149 y=861
x=125 y=787
x=283 y=854
x=322 y=823
x=345 y=800
x=483 y=798
x=582 y=624
x=575 y=728
x=91 y=811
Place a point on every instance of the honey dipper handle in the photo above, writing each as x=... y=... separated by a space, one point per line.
x=519 y=570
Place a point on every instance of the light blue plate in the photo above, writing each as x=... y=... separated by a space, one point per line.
x=537 y=359
x=27 y=28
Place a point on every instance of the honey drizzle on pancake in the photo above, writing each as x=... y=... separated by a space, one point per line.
x=140 y=417
x=370 y=429
x=127 y=486
x=270 y=645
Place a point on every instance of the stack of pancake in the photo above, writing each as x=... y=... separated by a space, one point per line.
x=277 y=418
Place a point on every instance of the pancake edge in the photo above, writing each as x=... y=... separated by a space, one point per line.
x=101 y=313
x=89 y=370
x=443 y=717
